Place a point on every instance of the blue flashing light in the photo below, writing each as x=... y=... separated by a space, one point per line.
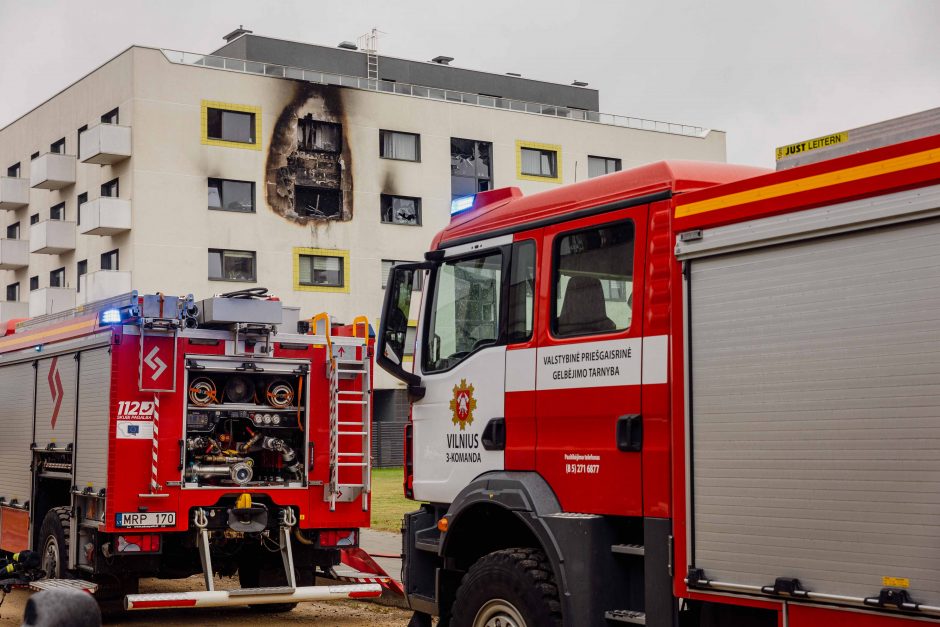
x=459 y=205
x=110 y=316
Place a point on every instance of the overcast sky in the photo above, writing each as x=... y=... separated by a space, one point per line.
x=768 y=73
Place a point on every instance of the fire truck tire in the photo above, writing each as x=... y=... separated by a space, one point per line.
x=54 y=542
x=512 y=587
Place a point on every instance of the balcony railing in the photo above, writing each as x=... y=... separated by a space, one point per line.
x=105 y=216
x=50 y=300
x=12 y=309
x=105 y=144
x=52 y=171
x=430 y=93
x=14 y=253
x=14 y=192
x=52 y=237
x=102 y=284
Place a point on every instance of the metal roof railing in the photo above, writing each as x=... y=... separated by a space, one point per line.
x=431 y=93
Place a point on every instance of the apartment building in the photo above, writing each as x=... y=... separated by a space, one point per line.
x=305 y=169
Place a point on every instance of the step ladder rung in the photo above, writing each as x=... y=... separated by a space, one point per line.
x=346 y=423
x=626 y=616
x=350 y=433
x=349 y=454
x=628 y=549
x=356 y=464
x=352 y=402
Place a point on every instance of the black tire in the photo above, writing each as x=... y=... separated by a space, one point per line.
x=260 y=568
x=54 y=543
x=514 y=584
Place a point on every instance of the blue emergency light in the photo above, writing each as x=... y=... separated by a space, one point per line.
x=459 y=205
x=110 y=316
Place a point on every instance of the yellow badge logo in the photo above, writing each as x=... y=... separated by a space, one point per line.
x=463 y=404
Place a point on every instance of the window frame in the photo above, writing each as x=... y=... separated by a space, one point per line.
x=111 y=117
x=58 y=207
x=299 y=252
x=81 y=269
x=14 y=227
x=114 y=184
x=417 y=136
x=56 y=145
x=16 y=291
x=34 y=280
x=476 y=178
x=57 y=277
x=391 y=198
x=221 y=182
x=418 y=285
x=15 y=171
x=34 y=219
x=111 y=254
x=617 y=161
x=80 y=200
x=254 y=267
x=255 y=144
x=527 y=145
x=78 y=139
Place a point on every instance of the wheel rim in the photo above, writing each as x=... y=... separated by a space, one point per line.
x=50 y=558
x=498 y=613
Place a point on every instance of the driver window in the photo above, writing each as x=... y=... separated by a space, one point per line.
x=465 y=311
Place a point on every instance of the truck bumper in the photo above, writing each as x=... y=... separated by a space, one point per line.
x=250 y=596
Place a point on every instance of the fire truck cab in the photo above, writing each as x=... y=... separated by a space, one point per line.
x=618 y=408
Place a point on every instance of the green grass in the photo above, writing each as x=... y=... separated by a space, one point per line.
x=388 y=500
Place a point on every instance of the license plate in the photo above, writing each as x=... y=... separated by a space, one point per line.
x=145 y=519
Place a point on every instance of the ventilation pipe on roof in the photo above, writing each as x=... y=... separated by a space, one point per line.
x=579 y=84
x=347 y=45
x=235 y=34
x=442 y=60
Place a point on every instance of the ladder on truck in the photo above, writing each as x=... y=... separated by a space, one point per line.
x=349 y=364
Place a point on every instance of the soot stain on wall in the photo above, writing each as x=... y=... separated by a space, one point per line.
x=308 y=173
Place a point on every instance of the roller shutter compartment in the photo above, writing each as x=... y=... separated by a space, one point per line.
x=94 y=399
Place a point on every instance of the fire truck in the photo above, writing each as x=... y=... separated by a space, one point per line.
x=157 y=436
x=686 y=394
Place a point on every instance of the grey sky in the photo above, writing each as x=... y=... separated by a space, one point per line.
x=768 y=73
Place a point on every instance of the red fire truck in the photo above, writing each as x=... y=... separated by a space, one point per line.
x=156 y=436
x=684 y=394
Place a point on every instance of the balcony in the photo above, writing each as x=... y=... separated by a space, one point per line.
x=105 y=216
x=103 y=284
x=105 y=144
x=50 y=300
x=14 y=253
x=52 y=171
x=11 y=310
x=52 y=237
x=14 y=192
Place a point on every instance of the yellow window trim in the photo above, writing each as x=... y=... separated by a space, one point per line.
x=520 y=144
x=226 y=106
x=322 y=252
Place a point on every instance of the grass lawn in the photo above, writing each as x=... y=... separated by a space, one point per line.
x=388 y=500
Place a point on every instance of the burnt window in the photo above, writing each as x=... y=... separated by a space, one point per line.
x=111 y=117
x=58 y=146
x=34 y=219
x=33 y=283
x=316 y=202
x=599 y=166
x=57 y=212
x=322 y=270
x=13 y=231
x=316 y=136
x=109 y=260
x=231 y=265
x=111 y=189
x=13 y=292
x=400 y=146
x=230 y=126
x=81 y=269
x=471 y=168
x=14 y=170
x=401 y=210
x=82 y=199
x=538 y=162
x=57 y=278
x=229 y=195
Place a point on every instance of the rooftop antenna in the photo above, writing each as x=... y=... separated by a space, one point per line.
x=368 y=43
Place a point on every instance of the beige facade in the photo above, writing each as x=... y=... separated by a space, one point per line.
x=163 y=184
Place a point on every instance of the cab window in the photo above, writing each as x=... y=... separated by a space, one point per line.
x=593 y=280
x=464 y=315
x=521 y=292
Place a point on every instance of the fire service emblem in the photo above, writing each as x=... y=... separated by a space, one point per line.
x=463 y=404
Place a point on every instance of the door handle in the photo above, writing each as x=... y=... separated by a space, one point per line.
x=630 y=433
x=494 y=435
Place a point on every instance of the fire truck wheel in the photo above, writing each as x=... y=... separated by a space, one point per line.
x=54 y=540
x=509 y=588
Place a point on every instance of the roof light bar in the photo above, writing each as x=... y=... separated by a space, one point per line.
x=459 y=205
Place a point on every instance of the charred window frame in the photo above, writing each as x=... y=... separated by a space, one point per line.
x=471 y=167
x=110 y=260
x=399 y=146
x=404 y=210
x=13 y=292
x=599 y=166
x=81 y=269
x=33 y=283
x=111 y=189
x=322 y=270
x=57 y=212
x=58 y=147
x=232 y=195
x=57 y=278
x=232 y=265
x=318 y=136
x=230 y=126
x=14 y=170
x=111 y=117
x=82 y=199
x=318 y=202
x=13 y=231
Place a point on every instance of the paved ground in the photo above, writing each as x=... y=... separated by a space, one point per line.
x=384 y=543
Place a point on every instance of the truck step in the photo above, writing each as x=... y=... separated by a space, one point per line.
x=628 y=549
x=626 y=616
x=59 y=584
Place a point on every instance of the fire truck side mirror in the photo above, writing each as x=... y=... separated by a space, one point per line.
x=393 y=331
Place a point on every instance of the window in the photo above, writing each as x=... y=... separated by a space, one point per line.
x=35 y=155
x=521 y=292
x=81 y=269
x=111 y=189
x=109 y=260
x=34 y=219
x=316 y=136
x=57 y=278
x=231 y=265
x=316 y=202
x=401 y=210
x=82 y=199
x=401 y=146
x=13 y=231
x=593 y=280
x=539 y=162
x=81 y=130
x=322 y=270
x=13 y=292
x=230 y=126
x=227 y=195
x=599 y=166
x=14 y=170
x=388 y=264
x=57 y=212
x=111 y=117
x=464 y=313
x=470 y=167
x=33 y=283
x=58 y=146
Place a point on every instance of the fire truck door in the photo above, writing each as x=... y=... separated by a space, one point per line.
x=589 y=424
